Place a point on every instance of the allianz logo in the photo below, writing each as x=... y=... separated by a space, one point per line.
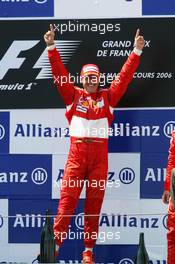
x=38 y=176
x=155 y=175
x=168 y=128
x=40 y=131
x=28 y=221
x=119 y=130
x=125 y=221
x=126 y=175
x=112 y=220
x=2 y=132
x=128 y=130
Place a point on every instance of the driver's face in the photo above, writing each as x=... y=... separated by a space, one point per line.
x=90 y=83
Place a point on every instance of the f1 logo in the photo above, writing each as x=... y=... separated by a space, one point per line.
x=11 y=60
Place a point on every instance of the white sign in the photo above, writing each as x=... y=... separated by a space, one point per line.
x=19 y=253
x=123 y=176
x=97 y=9
x=38 y=131
x=128 y=218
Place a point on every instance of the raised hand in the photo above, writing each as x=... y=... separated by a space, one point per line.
x=139 y=41
x=49 y=36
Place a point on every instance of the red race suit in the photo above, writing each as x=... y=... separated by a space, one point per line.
x=89 y=116
x=171 y=211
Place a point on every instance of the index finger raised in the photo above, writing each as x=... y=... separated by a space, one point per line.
x=137 y=33
x=51 y=28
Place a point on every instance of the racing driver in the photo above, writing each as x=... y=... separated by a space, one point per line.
x=167 y=200
x=88 y=111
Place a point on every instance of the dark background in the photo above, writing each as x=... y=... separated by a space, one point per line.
x=143 y=92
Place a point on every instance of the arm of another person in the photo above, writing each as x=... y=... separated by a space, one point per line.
x=60 y=75
x=170 y=166
x=120 y=84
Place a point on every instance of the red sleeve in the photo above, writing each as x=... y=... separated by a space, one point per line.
x=61 y=77
x=120 y=84
x=171 y=163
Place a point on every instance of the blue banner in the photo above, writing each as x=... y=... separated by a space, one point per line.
x=28 y=219
x=122 y=139
x=153 y=172
x=4 y=132
x=158 y=7
x=142 y=130
x=104 y=254
x=27 y=223
x=27 y=8
x=27 y=175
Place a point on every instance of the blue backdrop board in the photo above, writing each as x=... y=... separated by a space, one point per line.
x=34 y=133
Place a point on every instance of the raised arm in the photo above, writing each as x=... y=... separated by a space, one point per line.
x=171 y=163
x=59 y=72
x=170 y=166
x=120 y=84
